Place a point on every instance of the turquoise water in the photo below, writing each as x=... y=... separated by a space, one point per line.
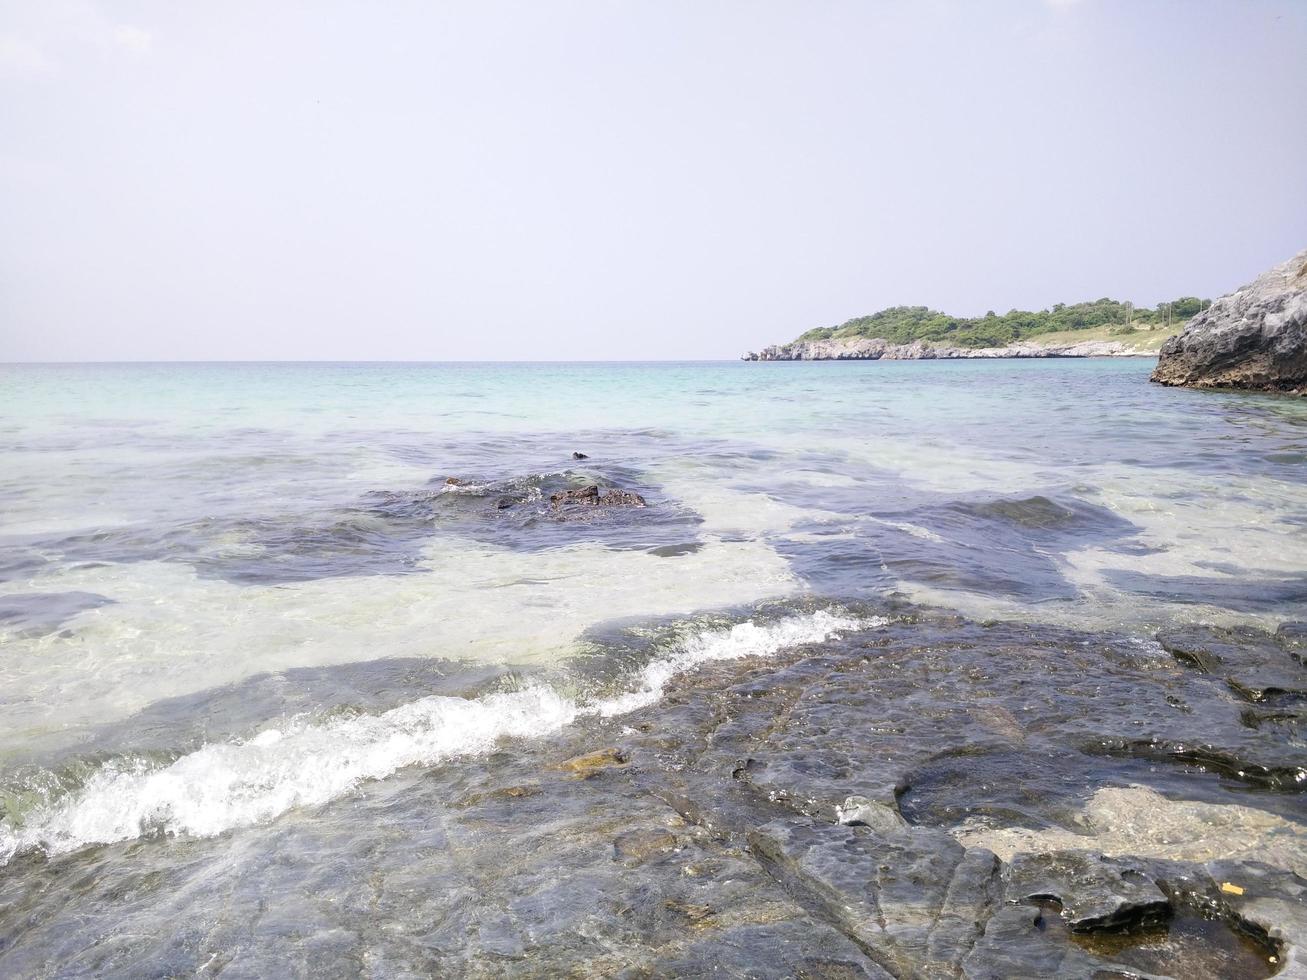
x=168 y=531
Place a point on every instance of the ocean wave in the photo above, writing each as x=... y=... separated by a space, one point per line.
x=745 y=639
x=223 y=786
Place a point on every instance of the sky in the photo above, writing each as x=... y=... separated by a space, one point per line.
x=595 y=179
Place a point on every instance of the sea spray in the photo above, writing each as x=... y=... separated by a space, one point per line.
x=226 y=785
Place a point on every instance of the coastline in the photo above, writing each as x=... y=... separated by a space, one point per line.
x=877 y=349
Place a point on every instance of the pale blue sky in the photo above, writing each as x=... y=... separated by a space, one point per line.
x=609 y=179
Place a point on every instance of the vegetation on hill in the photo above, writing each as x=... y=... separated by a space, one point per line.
x=904 y=324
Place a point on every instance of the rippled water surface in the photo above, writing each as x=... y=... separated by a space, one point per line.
x=231 y=593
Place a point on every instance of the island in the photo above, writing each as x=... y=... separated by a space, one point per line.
x=1100 y=328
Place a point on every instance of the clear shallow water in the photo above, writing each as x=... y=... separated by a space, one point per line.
x=214 y=521
x=231 y=591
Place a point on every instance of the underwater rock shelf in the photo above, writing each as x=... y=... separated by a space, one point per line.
x=928 y=798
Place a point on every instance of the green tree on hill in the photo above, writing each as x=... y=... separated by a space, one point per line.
x=905 y=324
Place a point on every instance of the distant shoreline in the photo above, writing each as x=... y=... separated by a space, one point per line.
x=1099 y=328
x=877 y=349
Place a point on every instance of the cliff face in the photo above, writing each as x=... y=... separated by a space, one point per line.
x=1255 y=338
x=874 y=349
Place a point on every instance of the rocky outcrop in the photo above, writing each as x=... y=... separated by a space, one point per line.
x=877 y=349
x=1254 y=338
x=590 y=496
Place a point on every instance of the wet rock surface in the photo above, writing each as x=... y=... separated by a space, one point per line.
x=1092 y=892
x=811 y=814
x=1256 y=337
x=1258 y=667
x=565 y=501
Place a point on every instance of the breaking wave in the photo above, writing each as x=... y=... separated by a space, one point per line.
x=226 y=785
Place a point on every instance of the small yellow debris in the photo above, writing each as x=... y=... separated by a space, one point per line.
x=1230 y=889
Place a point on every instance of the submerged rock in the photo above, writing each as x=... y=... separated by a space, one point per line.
x=813 y=811
x=916 y=897
x=33 y=614
x=1256 y=337
x=677 y=550
x=1094 y=892
x=1256 y=666
x=591 y=496
x=1137 y=821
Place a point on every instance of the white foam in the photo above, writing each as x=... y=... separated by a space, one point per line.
x=234 y=784
x=225 y=785
x=742 y=640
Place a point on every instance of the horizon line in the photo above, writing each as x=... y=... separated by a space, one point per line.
x=629 y=360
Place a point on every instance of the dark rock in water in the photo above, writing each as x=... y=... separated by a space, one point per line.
x=676 y=550
x=35 y=614
x=917 y=897
x=1256 y=337
x=1021 y=941
x=586 y=497
x=590 y=496
x=1253 y=664
x=1094 y=892
x=503 y=503
x=769 y=951
x=992 y=545
x=576 y=455
x=1031 y=512
x=381 y=532
x=1268 y=900
x=810 y=813
x=1244 y=593
x=1034 y=940
x=621 y=498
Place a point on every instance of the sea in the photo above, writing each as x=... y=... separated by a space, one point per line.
x=241 y=598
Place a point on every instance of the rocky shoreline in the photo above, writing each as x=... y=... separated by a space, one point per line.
x=1255 y=338
x=930 y=797
x=877 y=349
x=925 y=796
